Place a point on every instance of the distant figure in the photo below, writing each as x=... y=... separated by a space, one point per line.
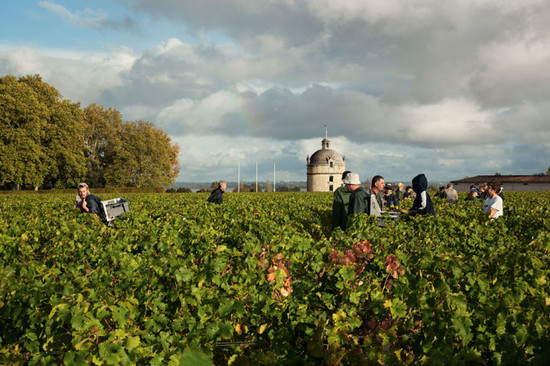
x=340 y=204
x=358 y=196
x=473 y=196
x=501 y=192
x=451 y=195
x=217 y=194
x=493 y=204
x=440 y=193
x=422 y=203
x=390 y=199
x=400 y=192
x=88 y=202
x=409 y=193
x=483 y=194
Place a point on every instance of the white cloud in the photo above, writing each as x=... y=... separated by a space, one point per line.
x=85 y=18
x=445 y=88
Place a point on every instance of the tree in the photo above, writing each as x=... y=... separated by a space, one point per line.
x=102 y=128
x=548 y=171
x=63 y=140
x=144 y=157
x=23 y=120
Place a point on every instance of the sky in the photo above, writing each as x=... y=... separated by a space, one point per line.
x=450 y=89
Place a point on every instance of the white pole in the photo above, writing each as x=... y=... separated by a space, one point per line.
x=239 y=177
x=256 y=176
x=274 y=189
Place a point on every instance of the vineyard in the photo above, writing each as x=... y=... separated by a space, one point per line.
x=261 y=280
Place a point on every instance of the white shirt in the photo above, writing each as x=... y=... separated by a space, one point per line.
x=494 y=202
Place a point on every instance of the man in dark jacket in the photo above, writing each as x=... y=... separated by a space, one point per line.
x=422 y=203
x=358 y=198
x=340 y=205
x=390 y=199
x=217 y=194
x=88 y=202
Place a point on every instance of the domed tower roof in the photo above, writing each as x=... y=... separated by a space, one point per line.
x=322 y=156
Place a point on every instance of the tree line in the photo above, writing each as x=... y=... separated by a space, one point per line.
x=50 y=142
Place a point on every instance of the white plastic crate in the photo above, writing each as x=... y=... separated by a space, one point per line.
x=115 y=207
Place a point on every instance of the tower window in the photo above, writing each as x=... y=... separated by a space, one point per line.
x=330 y=188
x=331 y=179
x=331 y=164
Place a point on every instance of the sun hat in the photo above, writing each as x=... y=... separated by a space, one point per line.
x=352 y=178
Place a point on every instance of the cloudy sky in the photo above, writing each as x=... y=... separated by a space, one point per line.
x=449 y=88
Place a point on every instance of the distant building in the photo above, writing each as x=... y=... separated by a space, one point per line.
x=325 y=168
x=511 y=183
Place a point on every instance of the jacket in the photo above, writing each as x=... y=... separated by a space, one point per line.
x=422 y=203
x=216 y=196
x=340 y=207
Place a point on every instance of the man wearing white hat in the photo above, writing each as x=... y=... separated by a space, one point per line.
x=340 y=205
x=358 y=199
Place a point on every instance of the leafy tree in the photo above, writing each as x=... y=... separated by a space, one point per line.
x=548 y=171
x=63 y=140
x=101 y=139
x=144 y=157
x=23 y=120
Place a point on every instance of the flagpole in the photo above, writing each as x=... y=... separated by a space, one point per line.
x=274 y=184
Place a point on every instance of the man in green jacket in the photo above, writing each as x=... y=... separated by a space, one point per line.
x=340 y=205
x=358 y=199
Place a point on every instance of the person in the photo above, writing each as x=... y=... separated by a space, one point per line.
x=88 y=202
x=440 y=193
x=422 y=203
x=451 y=195
x=376 y=205
x=501 y=192
x=472 y=196
x=483 y=194
x=340 y=204
x=400 y=192
x=409 y=193
x=390 y=199
x=358 y=197
x=493 y=204
x=217 y=194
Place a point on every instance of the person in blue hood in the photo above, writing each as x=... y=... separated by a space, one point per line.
x=422 y=203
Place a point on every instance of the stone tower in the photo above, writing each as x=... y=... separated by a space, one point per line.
x=325 y=168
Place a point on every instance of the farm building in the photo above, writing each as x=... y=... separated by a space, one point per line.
x=511 y=183
x=325 y=168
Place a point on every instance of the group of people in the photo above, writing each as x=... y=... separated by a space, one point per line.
x=490 y=192
x=351 y=198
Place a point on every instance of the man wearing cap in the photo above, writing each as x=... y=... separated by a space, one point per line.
x=340 y=205
x=358 y=198
x=390 y=199
x=88 y=202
